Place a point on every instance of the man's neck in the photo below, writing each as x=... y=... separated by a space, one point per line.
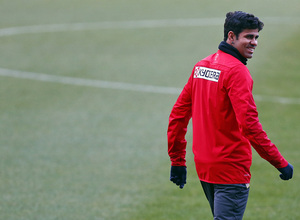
x=227 y=48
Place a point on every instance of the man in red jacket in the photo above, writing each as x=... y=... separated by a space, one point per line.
x=218 y=97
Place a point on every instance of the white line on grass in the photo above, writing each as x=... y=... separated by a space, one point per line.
x=122 y=85
x=88 y=82
x=196 y=22
x=127 y=25
x=110 y=25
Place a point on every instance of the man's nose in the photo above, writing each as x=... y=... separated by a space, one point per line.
x=253 y=42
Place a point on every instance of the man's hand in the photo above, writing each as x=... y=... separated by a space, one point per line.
x=178 y=175
x=286 y=172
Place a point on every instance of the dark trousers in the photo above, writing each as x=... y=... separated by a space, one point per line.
x=227 y=201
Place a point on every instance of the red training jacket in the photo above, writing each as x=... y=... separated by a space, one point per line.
x=218 y=97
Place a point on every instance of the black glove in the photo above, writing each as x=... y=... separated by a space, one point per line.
x=286 y=172
x=178 y=175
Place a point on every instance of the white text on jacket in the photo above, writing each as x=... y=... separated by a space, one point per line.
x=207 y=73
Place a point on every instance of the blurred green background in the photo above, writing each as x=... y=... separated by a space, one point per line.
x=83 y=152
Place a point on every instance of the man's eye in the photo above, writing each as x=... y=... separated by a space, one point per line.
x=251 y=37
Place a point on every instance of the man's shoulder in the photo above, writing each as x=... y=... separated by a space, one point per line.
x=228 y=60
x=221 y=60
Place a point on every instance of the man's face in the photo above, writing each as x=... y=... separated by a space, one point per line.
x=246 y=42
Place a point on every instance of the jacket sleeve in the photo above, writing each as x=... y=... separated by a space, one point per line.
x=178 y=121
x=239 y=87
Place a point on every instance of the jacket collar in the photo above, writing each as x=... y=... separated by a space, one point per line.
x=227 y=48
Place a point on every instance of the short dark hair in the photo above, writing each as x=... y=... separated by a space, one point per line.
x=238 y=21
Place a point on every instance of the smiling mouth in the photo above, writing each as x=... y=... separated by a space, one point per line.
x=251 y=49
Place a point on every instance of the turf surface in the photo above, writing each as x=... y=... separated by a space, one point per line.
x=81 y=152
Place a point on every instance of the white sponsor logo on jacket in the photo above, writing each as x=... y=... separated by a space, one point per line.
x=207 y=73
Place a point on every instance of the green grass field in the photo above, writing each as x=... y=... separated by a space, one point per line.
x=79 y=151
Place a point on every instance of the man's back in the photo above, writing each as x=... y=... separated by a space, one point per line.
x=222 y=153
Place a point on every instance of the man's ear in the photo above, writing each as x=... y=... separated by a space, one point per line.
x=231 y=37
